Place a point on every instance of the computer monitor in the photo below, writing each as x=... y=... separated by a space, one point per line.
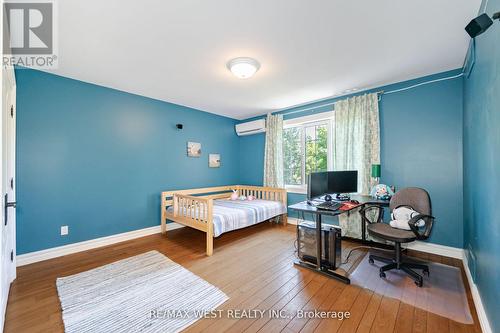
x=342 y=182
x=317 y=184
x=331 y=182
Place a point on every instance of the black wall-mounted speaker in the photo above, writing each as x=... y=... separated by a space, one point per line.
x=478 y=25
x=179 y=126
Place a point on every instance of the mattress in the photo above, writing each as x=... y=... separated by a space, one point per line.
x=231 y=215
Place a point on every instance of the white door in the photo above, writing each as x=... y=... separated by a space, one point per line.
x=8 y=186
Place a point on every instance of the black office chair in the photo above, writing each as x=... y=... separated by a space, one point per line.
x=419 y=200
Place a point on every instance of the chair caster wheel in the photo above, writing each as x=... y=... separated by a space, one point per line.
x=381 y=274
x=426 y=272
x=419 y=283
x=370 y=260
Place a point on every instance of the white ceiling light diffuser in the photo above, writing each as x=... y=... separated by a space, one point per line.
x=243 y=68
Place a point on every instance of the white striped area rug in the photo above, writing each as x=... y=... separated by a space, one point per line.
x=144 y=293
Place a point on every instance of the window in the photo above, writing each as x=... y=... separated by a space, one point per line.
x=306 y=146
x=293 y=156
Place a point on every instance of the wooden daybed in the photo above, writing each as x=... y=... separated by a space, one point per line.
x=195 y=207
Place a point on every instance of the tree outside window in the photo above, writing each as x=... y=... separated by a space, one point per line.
x=292 y=156
x=305 y=150
x=316 y=142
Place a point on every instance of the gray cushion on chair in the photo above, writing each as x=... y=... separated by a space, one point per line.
x=385 y=231
x=416 y=198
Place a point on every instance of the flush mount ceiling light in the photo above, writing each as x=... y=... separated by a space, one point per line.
x=243 y=67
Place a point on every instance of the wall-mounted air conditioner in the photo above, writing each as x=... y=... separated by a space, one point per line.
x=251 y=127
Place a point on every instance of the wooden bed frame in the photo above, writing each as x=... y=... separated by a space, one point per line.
x=198 y=202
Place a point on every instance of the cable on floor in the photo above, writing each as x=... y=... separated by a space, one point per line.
x=363 y=247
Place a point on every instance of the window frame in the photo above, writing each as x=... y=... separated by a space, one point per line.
x=323 y=118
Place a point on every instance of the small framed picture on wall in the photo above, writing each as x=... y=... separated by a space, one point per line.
x=194 y=149
x=214 y=160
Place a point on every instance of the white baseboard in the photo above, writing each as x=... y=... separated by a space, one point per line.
x=442 y=250
x=32 y=257
x=481 y=313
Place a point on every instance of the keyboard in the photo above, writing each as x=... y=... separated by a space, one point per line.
x=329 y=205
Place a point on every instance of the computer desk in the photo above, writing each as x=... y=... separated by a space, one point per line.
x=318 y=213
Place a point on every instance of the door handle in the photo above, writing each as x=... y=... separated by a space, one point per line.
x=6 y=206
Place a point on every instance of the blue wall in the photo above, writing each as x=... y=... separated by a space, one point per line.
x=252 y=159
x=482 y=167
x=421 y=145
x=79 y=142
x=96 y=159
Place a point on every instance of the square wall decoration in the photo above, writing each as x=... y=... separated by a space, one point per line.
x=194 y=149
x=214 y=160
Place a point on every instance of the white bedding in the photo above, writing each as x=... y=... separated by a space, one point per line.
x=231 y=215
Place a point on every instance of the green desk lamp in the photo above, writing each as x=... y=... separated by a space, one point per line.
x=380 y=191
x=376 y=173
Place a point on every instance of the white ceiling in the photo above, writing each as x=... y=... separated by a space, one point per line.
x=177 y=51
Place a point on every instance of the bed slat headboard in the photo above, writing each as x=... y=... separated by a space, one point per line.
x=194 y=207
x=217 y=192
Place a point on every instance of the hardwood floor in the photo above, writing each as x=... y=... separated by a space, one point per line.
x=254 y=268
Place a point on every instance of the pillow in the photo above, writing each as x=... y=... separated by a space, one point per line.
x=400 y=224
x=404 y=214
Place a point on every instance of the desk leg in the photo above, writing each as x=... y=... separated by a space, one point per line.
x=318 y=240
x=363 y=229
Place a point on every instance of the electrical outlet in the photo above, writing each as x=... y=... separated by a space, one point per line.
x=64 y=230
